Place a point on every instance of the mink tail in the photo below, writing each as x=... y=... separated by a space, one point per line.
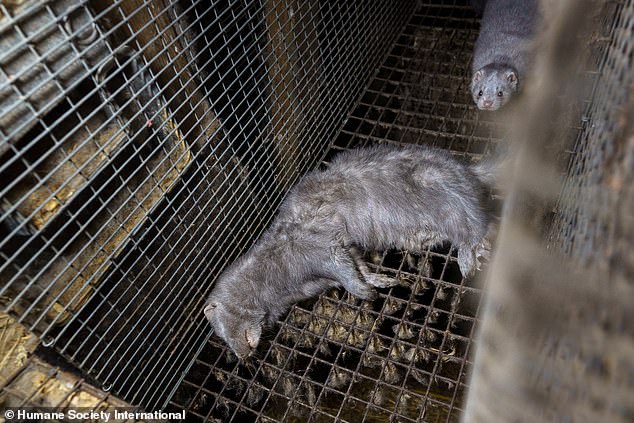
x=487 y=170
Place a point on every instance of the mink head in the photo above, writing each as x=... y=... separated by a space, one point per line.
x=238 y=327
x=493 y=85
x=234 y=310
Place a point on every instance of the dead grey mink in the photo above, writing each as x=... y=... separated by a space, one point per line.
x=374 y=198
x=501 y=54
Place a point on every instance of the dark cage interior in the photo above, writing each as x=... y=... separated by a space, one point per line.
x=144 y=146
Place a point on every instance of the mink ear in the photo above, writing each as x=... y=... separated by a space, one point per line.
x=209 y=310
x=252 y=335
x=511 y=76
x=477 y=76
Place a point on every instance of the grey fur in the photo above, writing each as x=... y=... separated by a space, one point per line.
x=501 y=54
x=375 y=198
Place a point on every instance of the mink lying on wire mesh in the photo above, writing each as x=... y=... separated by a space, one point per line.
x=374 y=198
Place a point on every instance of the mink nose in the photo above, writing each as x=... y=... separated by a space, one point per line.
x=487 y=103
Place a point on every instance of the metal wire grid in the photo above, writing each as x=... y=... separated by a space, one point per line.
x=39 y=386
x=421 y=93
x=405 y=356
x=582 y=227
x=135 y=336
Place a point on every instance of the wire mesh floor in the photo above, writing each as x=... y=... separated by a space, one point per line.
x=405 y=356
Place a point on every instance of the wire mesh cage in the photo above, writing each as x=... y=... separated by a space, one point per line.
x=144 y=146
x=405 y=355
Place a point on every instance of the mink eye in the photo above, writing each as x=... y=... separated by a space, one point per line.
x=500 y=93
x=480 y=93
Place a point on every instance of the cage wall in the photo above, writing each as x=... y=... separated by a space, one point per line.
x=144 y=146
